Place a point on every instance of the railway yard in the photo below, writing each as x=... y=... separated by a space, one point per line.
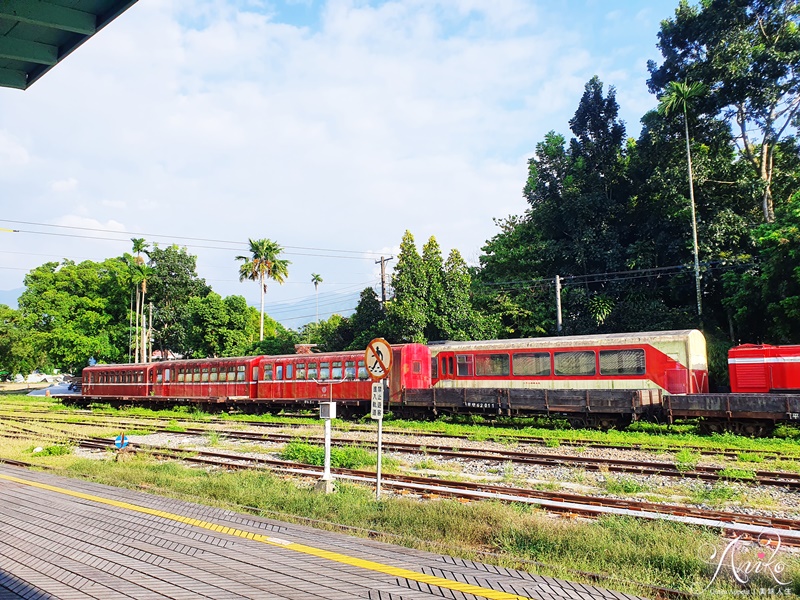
x=722 y=488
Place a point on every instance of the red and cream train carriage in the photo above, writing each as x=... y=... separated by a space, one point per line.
x=671 y=361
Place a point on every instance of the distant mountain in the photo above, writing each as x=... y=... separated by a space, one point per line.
x=10 y=297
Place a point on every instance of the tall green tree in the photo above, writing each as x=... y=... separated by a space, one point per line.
x=171 y=284
x=219 y=327
x=407 y=311
x=368 y=320
x=77 y=311
x=264 y=263
x=678 y=97
x=748 y=53
x=17 y=354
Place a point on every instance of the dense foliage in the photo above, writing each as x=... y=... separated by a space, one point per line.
x=611 y=216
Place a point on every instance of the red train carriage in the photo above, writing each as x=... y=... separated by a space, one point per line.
x=340 y=376
x=671 y=361
x=268 y=381
x=764 y=368
x=206 y=378
x=116 y=381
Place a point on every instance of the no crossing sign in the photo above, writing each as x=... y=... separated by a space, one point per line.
x=378 y=359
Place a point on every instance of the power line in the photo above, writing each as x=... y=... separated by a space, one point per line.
x=178 y=237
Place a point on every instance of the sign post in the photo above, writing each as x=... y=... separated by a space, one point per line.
x=378 y=360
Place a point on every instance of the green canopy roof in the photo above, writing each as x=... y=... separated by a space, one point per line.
x=35 y=35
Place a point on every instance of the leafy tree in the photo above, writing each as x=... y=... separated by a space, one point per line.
x=748 y=53
x=459 y=319
x=368 y=320
x=17 y=354
x=765 y=296
x=282 y=342
x=264 y=263
x=331 y=335
x=172 y=282
x=407 y=311
x=219 y=327
x=433 y=291
x=77 y=311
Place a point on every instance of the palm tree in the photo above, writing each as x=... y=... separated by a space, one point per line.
x=316 y=279
x=140 y=274
x=678 y=97
x=262 y=264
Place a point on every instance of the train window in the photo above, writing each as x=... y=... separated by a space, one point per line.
x=324 y=370
x=434 y=368
x=289 y=371
x=362 y=371
x=536 y=364
x=223 y=375
x=214 y=376
x=416 y=366
x=450 y=365
x=231 y=373
x=240 y=374
x=180 y=376
x=279 y=372
x=575 y=363
x=140 y=377
x=492 y=365
x=300 y=372
x=622 y=362
x=336 y=373
x=268 y=372
x=464 y=363
x=166 y=375
x=204 y=377
x=312 y=370
x=159 y=377
x=350 y=369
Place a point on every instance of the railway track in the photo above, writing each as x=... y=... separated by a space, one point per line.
x=731 y=453
x=788 y=480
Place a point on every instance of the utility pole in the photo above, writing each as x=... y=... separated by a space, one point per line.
x=558 y=304
x=383 y=262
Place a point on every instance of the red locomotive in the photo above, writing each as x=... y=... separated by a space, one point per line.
x=762 y=369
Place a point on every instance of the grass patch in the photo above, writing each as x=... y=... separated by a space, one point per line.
x=174 y=427
x=738 y=474
x=624 y=485
x=749 y=457
x=719 y=493
x=57 y=450
x=347 y=457
x=686 y=460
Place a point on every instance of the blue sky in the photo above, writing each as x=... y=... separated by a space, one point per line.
x=329 y=126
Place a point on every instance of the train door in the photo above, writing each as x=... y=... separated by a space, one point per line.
x=254 y=373
x=446 y=364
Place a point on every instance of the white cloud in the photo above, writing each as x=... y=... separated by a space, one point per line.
x=64 y=185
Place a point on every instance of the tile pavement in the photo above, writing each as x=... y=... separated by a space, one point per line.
x=57 y=546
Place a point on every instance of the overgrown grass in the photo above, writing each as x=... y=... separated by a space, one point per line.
x=347 y=457
x=624 y=485
x=686 y=460
x=717 y=494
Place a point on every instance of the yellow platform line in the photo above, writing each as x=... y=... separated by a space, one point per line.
x=288 y=545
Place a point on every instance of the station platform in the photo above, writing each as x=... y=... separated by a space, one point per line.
x=74 y=540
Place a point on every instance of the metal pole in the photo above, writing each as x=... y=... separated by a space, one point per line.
x=558 y=303
x=380 y=446
x=326 y=475
x=383 y=262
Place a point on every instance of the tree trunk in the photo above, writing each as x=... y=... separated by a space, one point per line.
x=261 y=324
